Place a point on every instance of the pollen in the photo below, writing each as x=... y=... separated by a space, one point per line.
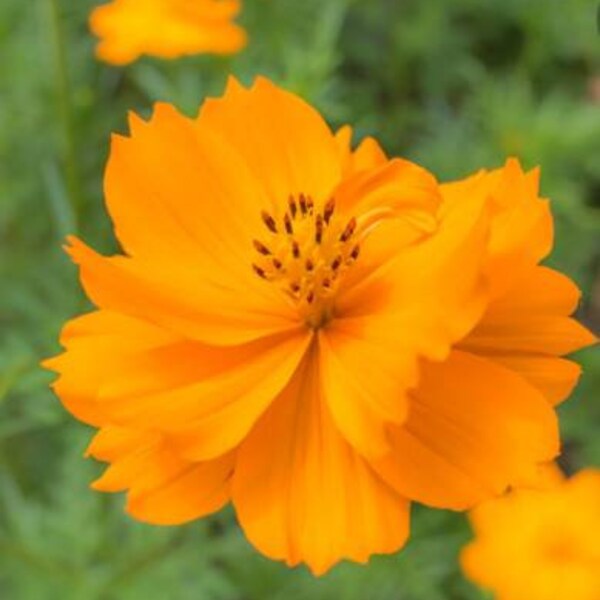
x=306 y=252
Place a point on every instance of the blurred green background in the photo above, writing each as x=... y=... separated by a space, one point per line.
x=453 y=85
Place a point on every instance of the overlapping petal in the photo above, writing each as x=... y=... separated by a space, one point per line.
x=178 y=299
x=527 y=324
x=401 y=312
x=98 y=344
x=206 y=398
x=473 y=429
x=521 y=229
x=306 y=496
x=523 y=320
x=163 y=489
x=554 y=377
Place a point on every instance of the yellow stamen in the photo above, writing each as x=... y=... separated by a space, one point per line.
x=307 y=254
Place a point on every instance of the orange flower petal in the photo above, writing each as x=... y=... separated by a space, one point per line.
x=521 y=228
x=104 y=323
x=163 y=488
x=209 y=415
x=554 y=377
x=362 y=386
x=185 y=207
x=546 y=477
x=399 y=186
x=277 y=133
x=473 y=428
x=178 y=301
x=540 y=291
x=527 y=324
x=522 y=231
x=200 y=490
x=367 y=155
x=97 y=345
x=396 y=204
x=208 y=395
x=526 y=333
x=407 y=296
x=304 y=495
x=343 y=140
x=415 y=285
x=111 y=442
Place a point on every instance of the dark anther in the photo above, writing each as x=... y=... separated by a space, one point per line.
x=288 y=224
x=319 y=229
x=269 y=221
x=310 y=265
x=295 y=249
x=347 y=233
x=293 y=207
x=260 y=272
x=277 y=263
x=310 y=297
x=326 y=283
x=335 y=265
x=302 y=202
x=355 y=252
x=295 y=287
x=328 y=210
x=309 y=204
x=261 y=248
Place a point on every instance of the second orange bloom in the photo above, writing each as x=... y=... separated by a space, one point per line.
x=166 y=28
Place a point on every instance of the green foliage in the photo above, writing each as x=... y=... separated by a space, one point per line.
x=453 y=85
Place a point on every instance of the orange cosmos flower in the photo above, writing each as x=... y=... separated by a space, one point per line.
x=165 y=28
x=539 y=545
x=315 y=334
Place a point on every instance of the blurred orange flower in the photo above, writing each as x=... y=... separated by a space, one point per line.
x=165 y=28
x=316 y=334
x=539 y=545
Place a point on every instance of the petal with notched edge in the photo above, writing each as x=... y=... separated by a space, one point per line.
x=304 y=495
x=473 y=429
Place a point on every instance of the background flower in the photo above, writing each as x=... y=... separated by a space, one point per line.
x=165 y=28
x=539 y=544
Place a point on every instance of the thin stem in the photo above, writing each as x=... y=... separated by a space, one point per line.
x=63 y=92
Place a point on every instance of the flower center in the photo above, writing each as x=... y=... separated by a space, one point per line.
x=306 y=255
x=563 y=549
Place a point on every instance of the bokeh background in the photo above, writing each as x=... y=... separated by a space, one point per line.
x=452 y=85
